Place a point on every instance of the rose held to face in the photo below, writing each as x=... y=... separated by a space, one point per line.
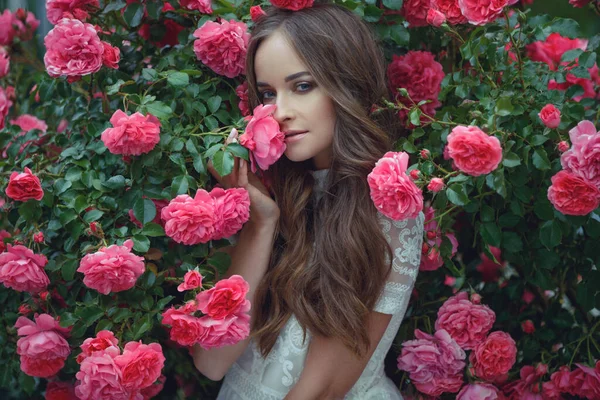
x=263 y=138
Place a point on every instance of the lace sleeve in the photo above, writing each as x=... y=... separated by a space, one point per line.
x=405 y=239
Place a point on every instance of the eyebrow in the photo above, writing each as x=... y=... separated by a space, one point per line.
x=287 y=78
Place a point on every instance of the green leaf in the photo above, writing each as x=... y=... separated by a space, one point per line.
x=67 y=319
x=587 y=59
x=68 y=269
x=550 y=234
x=92 y=215
x=133 y=14
x=504 y=106
x=491 y=234
x=114 y=88
x=237 y=150
x=223 y=163
x=214 y=103
x=512 y=242
x=115 y=182
x=178 y=79
x=114 y=5
x=571 y=55
x=511 y=160
x=141 y=326
x=144 y=210
x=89 y=314
x=393 y=4
x=149 y=74
x=159 y=109
x=220 y=260
x=62 y=185
x=538 y=140
x=153 y=230
x=415 y=116
x=540 y=159
x=179 y=185
x=163 y=302
x=30 y=210
x=457 y=194
x=141 y=243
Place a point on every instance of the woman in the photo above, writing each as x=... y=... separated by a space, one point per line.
x=330 y=278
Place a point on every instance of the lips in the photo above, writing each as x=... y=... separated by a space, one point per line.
x=293 y=133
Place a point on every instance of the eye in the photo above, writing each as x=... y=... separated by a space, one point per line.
x=304 y=86
x=267 y=95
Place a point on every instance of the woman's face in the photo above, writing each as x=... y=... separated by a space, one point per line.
x=304 y=112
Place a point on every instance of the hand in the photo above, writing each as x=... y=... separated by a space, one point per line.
x=263 y=210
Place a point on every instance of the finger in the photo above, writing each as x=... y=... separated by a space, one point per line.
x=243 y=174
x=213 y=171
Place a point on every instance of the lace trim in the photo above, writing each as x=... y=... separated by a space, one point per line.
x=394 y=298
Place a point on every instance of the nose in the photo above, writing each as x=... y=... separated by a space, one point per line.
x=284 y=111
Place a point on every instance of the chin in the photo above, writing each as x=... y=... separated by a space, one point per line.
x=296 y=156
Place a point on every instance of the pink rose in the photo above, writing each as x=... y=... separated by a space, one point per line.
x=111 y=56
x=256 y=12
x=528 y=386
x=185 y=328
x=23 y=270
x=435 y=363
x=191 y=280
x=481 y=12
x=140 y=364
x=203 y=6
x=73 y=48
x=563 y=146
x=473 y=151
x=579 y=3
x=395 y=195
x=5 y=103
x=112 y=269
x=489 y=269
x=528 y=327
x=24 y=186
x=467 y=323
x=420 y=75
x=190 y=220
x=494 y=357
x=550 y=51
x=29 y=122
x=242 y=93
x=263 y=138
x=570 y=80
x=132 y=135
x=103 y=340
x=232 y=211
x=583 y=159
x=73 y=9
x=226 y=298
x=431 y=258
x=38 y=237
x=224 y=332
x=480 y=391
x=172 y=29
x=7 y=30
x=585 y=381
x=4 y=62
x=415 y=12
x=99 y=377
x=573 y=195
x=293 y=5
x=222 y=46
x=154 y=389
x=42 y=347
x=435 y=17
x=550 y=116
x=60 y=391
x=435 y=185
x=26 y=24
x=451 y=11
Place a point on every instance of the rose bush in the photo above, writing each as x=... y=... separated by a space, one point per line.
x=111 y=228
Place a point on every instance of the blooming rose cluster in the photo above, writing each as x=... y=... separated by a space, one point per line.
x=550 y=52
x=207 y=216
x=473 y=151
x=222 y=46
x=421 y=76
x=582 y=381
x=20 y=24
x=106 y=373
x=431 y=259
x=43 y=347
x=435 y=363
x=435 y=12
x=72 y=9
x=112 y=269
x=576 y=189
x=394 y=194
x=23 y=270
x=225 y=321
x=263 y=138
x=74 y=49
x=466 y=322
x=132 y=135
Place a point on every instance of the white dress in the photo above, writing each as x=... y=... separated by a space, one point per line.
x=253 y=377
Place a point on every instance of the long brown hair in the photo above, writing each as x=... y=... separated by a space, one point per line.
x=328 y=264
